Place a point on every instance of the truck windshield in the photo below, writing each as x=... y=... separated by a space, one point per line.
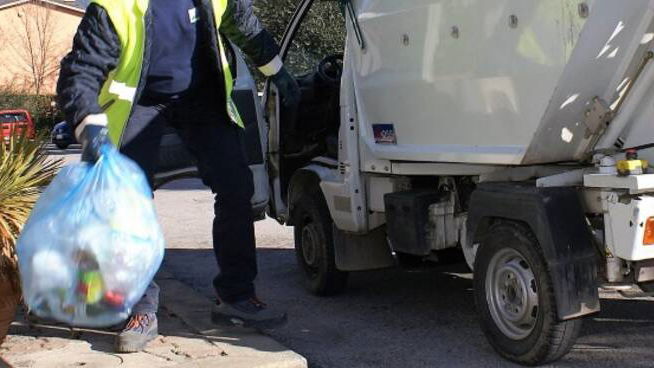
x=13 y=117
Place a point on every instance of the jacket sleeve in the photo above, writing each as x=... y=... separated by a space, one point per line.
x=95 y=52
x=242 y=27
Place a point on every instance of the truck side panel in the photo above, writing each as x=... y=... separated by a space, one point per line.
x=453 y=81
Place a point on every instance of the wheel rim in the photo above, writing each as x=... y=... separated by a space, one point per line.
x=310 y=239
x=512 y=294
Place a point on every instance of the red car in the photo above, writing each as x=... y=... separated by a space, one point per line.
x=16 y=121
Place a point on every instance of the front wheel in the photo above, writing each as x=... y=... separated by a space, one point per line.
x=515 y=297
x=314 y=246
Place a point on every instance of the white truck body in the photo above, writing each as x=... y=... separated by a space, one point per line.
x=479 y=119
x=467 y=91
x=461 y=83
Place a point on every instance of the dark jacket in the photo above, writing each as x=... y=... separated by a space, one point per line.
x=96 y=50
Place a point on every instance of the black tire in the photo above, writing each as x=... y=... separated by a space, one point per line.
x=538 y=337
x=62 y=146
x=314 y=246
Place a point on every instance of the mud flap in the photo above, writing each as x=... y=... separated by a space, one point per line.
x=556 y=217
x=355 y=252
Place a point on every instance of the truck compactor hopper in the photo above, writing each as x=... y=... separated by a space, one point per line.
x=500 y=82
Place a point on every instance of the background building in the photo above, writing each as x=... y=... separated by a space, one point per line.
x=34 y=36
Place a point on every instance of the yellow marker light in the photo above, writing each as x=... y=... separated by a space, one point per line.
x=648 y=238
x=632 y=167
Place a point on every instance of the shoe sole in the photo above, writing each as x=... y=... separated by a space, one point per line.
x=126 y=347
x=229 y=321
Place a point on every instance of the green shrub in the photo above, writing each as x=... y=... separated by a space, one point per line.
x=25 y=169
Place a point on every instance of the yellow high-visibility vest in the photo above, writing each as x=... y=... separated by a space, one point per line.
x=118 y=92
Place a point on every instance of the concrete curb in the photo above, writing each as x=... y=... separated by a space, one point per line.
x=243 y=348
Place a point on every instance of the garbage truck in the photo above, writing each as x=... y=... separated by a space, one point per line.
x=516 y=132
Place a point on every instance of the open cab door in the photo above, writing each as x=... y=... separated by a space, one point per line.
x=312 y=50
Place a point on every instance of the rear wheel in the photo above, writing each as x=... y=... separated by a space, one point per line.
x=62 y=146
x=314 y=246
x=515 y=297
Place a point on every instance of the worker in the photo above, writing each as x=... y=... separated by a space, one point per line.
x=139 y=65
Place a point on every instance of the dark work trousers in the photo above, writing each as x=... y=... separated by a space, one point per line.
x=218 y=147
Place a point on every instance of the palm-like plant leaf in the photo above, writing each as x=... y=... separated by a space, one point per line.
x=24 y=170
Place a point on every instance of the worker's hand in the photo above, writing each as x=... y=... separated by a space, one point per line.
x=288 y=88
x=93 y=134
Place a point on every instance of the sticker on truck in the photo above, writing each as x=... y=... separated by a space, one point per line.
x=384 y=133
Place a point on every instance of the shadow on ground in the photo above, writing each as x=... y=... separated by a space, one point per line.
x=387 y=318
x=396 y=318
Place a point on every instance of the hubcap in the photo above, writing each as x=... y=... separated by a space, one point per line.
x=511 y=294
x=310 y=245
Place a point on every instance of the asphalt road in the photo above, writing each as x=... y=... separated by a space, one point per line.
x=389 y=318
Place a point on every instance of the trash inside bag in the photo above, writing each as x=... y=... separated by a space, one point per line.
x=92 y=243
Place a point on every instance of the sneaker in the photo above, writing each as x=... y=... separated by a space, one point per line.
x=138 y=332
x=247 y=313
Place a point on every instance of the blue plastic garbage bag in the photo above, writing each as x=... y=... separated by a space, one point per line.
x=92 y=243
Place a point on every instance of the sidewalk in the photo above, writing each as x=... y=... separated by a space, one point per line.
x=187 y=339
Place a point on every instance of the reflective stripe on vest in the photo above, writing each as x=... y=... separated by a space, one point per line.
x=219 y=8
x=117 y=94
